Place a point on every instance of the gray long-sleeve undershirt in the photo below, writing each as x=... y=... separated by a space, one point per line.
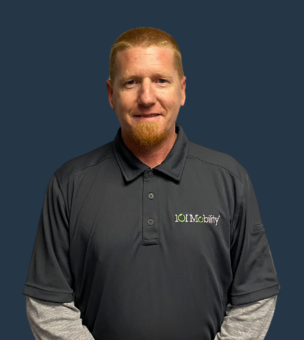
x=61 y=321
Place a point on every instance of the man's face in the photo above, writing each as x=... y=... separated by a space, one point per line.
x=146 y=94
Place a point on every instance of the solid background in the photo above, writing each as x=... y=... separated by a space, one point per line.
x=244 y=67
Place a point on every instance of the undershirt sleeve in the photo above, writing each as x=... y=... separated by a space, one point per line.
x=53 y=320
x=247 y=322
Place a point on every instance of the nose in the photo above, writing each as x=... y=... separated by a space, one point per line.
x=146 y=95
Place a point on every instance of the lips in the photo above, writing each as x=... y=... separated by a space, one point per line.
x=148 y=115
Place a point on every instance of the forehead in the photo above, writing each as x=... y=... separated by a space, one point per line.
x=140 y=60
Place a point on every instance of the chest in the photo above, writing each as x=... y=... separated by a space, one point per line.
x=154 y=210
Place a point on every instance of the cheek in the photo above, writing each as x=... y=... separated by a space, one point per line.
x=124 y=102
x=172 y=102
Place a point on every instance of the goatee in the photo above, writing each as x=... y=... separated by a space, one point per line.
x=148 y=135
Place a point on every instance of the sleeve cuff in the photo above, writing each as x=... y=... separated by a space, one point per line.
x=47 y=295
x=262 y=294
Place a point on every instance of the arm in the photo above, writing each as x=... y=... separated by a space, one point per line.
x=57 y=321
x=249 y=321
x=50 y=284
x=62 y=320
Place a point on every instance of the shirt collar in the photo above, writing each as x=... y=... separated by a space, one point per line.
x=173 y=165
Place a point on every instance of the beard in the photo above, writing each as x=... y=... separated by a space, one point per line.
x=148 y=134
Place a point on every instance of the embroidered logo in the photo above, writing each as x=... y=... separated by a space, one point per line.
x=197 y=218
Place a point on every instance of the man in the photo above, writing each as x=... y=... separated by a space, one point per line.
x=150 y=236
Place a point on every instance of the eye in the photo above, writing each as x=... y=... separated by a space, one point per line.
x=162 y=81
x=130 y=82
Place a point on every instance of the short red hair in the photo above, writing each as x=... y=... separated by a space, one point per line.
x=145 y=37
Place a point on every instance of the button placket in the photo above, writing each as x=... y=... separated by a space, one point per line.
x=150 y=209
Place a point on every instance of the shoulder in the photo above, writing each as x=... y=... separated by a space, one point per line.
x=217 y=159
x=85 y=161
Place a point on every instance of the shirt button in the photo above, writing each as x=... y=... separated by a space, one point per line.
x=150 y=221
x=150 y=174
x=151 y=195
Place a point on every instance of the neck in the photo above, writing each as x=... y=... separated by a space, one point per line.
x=151 y=156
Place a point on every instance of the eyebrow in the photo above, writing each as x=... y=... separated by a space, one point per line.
x=155 y=75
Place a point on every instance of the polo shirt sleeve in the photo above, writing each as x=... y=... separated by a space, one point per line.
x=49 y=277
x=254 y=274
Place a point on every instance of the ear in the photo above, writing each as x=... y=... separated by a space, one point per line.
x=183 y=88
x=110 y=93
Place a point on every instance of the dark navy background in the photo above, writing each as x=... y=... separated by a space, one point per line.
x=244 y=67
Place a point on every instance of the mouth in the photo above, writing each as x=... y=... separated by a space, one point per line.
x=153 y=117
x=148 y=115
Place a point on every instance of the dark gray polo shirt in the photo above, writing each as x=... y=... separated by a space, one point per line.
x=151 y=253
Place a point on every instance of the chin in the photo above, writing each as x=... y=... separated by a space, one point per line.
x=148 y=134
